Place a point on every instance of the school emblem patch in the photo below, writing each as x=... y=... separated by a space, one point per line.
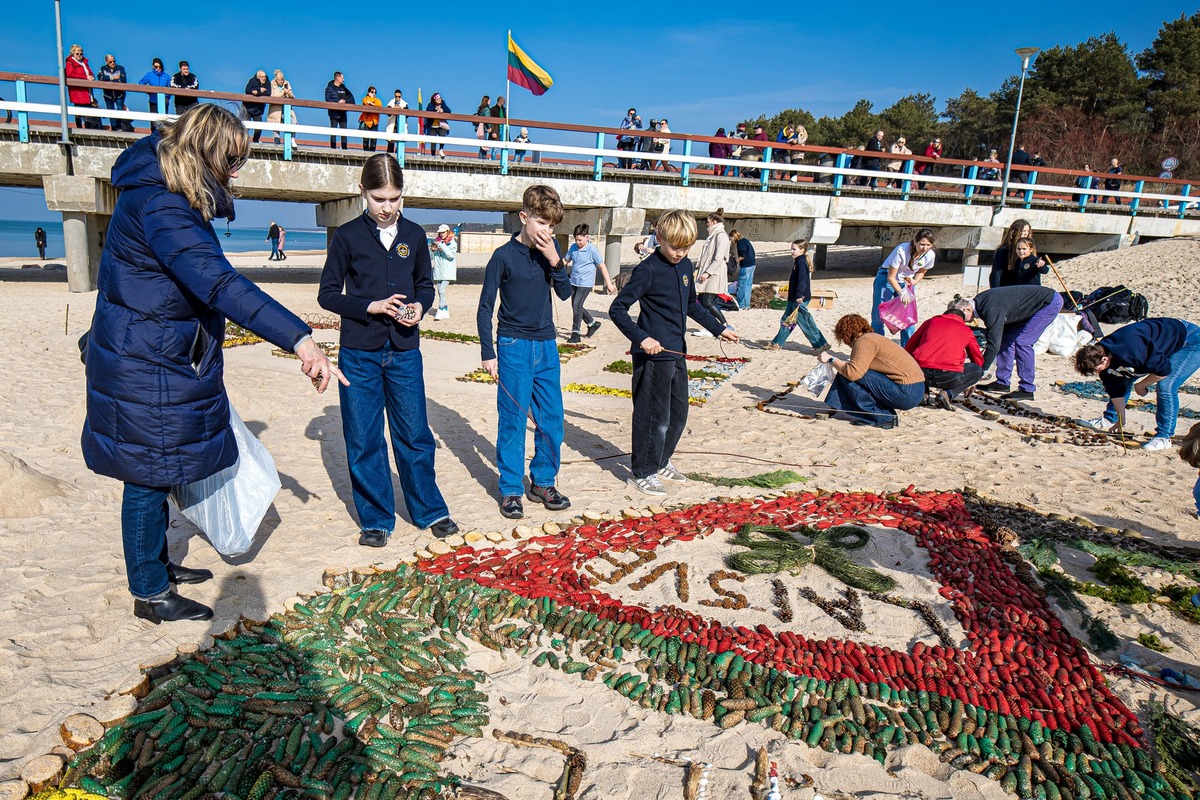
x=685 y=280
x=402 y=250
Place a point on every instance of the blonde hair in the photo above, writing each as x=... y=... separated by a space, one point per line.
x=677 y=228
x=196 y=153
x=278 y=73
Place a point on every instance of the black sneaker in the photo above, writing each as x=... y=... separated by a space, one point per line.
x=548 y=496
x=995 y=387
x=510 y=506
x=1017 y=395
x=574 y=338
x=595 y=326
x=943 y=401
x=443 y=528
x=372 y=538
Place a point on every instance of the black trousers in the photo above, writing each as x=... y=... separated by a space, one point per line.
x=337 y=123
x=709 y=301
x=660 y=411
x=953 y=382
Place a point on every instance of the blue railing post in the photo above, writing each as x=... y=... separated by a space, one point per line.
x=906 y=184
x=287 y=135
x=686 y=169
x=1031 y=179
x=969 y=188
x=1185 y=192
x=1137 y=201
x=504 y=157
x=400 y=143
x=764 y=176
x=598 y=161
x=1083 y=198
x=161 y=102
x=22 y=116
x=842 y=160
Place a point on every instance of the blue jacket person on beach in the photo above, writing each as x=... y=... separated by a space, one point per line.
x=1159 y=352
x=157 y=412
x=665 y=292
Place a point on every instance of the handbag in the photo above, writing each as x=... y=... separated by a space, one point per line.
x=230 y=505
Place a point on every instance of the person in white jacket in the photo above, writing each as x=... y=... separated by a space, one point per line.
x=444 y=251
x=397 y=123
x=712 y=268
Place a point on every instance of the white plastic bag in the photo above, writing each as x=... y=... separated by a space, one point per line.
x=1061 y=337
x=230 y=505
x=818 y=379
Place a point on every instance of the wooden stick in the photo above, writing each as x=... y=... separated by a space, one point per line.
x=524 y=739
x=66 y=319
x=1064 y=284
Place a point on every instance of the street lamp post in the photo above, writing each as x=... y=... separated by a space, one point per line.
x=1026 y=53
x=65 y=137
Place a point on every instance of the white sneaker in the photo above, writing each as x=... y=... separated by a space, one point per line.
x=702 y=332
x=648 y=485
x=442 y=313
x=669 y=473
x=1098 y=424
x=1157 y=443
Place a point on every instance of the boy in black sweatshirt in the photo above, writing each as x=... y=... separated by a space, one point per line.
x=662 y=287
x=524 y=358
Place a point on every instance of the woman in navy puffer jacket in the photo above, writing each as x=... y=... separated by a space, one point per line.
x=157 y=413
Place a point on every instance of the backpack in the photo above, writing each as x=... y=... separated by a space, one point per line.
x=1116 y=305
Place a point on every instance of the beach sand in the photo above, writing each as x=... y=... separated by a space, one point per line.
x=68 y=639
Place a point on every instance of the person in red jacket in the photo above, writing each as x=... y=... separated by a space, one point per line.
x=947 y=352
x=932 y=150
x=77 y=67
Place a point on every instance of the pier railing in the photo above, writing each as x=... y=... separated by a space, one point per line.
x=766 y=166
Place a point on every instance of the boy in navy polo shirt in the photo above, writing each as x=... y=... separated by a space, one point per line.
x=662 y=287
x=524 y=358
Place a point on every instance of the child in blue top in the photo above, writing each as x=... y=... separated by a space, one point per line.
x=524 y=357
x=584 y=259
x=798 y=297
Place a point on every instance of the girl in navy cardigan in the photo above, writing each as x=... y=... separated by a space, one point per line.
x=378 y=277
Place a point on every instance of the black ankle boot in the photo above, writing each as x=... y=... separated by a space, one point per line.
x=179 y=574
x=171 y=608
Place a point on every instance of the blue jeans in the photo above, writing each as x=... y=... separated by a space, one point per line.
x=274 y=249
x=744 y=285
x=1183 y=364
x=388 y=380
x=116 y=105
x=529 y=380
x=882 y=291
x=443 y=298
x=144 y=539
x=804 y=321
x=874 y=398
x=1196 y=495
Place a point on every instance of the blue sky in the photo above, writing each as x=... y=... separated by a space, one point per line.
x=702 y=65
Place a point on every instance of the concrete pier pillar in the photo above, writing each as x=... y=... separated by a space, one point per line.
x=819 y=254
x=81 y=276
x=612 y=255
x=335 y=213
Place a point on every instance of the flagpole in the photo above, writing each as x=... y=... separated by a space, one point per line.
x=507 y=89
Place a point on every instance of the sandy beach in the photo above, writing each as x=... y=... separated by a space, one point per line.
x=69 y=641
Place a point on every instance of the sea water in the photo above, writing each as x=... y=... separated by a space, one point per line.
x=16 y=239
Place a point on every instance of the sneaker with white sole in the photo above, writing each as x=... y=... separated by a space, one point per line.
x=1098 y=424
x=669 y=473
x=1157 y=443
x=648 y=485
x=442 y=313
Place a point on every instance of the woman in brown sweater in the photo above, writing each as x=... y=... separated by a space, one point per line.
x=880 y=378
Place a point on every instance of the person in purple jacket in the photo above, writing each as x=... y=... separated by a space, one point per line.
x=1158 y=352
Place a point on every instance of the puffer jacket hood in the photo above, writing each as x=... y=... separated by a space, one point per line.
x=138 y=167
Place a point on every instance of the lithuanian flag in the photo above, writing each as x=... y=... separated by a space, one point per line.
x=524 y=71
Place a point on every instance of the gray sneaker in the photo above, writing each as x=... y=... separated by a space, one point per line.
x=648 y=485
x=669 y=473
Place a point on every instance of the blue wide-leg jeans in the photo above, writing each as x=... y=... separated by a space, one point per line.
x=388 y=381
x=529 y=382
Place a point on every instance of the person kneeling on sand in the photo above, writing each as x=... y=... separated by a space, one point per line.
x=879 y=379
x=939 y=347
x=663 y=288
x=1163 y=352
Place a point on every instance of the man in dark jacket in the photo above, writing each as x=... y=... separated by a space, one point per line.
x=1162 y=352
x=184 y=79
x=258 y=86
x=112 y=72
x=1113 y=184
x=336 y=91
x=1020 y=159
x=874 y=145
x=1015 y=317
